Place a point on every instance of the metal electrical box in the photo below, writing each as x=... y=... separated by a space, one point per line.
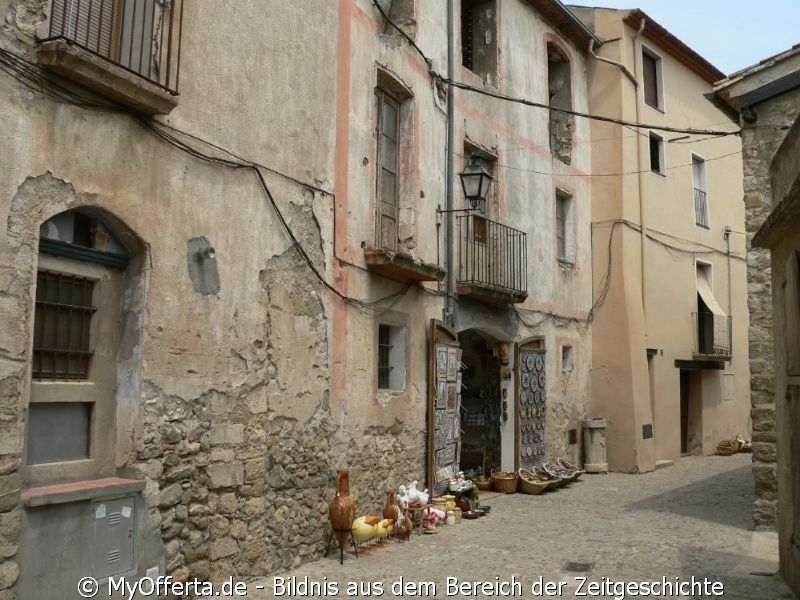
x=114 y=526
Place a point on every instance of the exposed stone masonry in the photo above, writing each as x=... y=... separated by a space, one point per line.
x=760 y=141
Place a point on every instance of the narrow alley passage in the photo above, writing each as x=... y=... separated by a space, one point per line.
x=691 y=519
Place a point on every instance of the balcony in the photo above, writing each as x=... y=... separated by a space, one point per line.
x=700 y=208
x=712 y=337
x=128 y=50
x=400 y=266
x=492 y=261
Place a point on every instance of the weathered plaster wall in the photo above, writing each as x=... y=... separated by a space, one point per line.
x=232 y=427
x=652 y=291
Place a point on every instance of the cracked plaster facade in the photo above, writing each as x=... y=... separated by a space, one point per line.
x=240 y=403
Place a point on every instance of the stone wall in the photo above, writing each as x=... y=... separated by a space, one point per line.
x=760 y=141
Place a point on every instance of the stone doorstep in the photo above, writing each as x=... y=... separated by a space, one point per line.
x=80 y=490
x=663 y=463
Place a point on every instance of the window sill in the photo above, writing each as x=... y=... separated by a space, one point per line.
x=701 y=226
x=105 y=77
x=659 y=173
x=80 y=490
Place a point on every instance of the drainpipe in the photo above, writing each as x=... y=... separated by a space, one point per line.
x=449 y=307
x=727 y=234
x=617 y=64
x=643 y=233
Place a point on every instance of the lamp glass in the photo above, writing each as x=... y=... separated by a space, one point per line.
x=475 y=179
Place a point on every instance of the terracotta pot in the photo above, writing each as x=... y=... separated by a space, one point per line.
x=342 y=510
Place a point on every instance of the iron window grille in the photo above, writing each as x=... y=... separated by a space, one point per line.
x=62 y=326
x=384 y=350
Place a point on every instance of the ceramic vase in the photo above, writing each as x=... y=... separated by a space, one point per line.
x=342 y=510
x=390 y=511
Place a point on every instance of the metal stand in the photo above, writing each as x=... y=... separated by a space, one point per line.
x=341 y=546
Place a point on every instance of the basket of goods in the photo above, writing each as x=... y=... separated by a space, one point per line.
x=483 y=483
x=576 y=472
x=505 y=483
x=728 y=447
x=532 y=483
x=560 y=472
x=553 y=481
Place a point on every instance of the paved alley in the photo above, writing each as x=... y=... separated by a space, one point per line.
x=691 y=519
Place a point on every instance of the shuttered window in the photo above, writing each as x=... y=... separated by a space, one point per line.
x=87 y=23
x=651 y=70
x=387 y=134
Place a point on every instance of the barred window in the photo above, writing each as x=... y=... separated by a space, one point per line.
x=62 y=326
x=391 y=357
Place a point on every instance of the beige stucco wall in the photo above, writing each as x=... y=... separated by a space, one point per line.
x=653 y=288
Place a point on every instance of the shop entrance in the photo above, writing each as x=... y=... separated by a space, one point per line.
x=481 y=404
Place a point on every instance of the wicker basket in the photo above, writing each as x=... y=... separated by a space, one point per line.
x=505 y=483
x=576 y=472
x=531 y=483
x=554 y=481
x=728 y=447
x=484 y=485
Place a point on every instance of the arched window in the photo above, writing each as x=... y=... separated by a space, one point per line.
x=84 y=258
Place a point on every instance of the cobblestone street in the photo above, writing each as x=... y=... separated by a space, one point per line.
x=691 y=519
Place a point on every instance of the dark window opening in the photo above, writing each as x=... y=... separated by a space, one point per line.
x=561 y=123
x=467 y=24
x=656 y=154
x=479 y=38
x=651 y=67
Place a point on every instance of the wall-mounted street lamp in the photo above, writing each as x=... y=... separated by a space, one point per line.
x=476 y=179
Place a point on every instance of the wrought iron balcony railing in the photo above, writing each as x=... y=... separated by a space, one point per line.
x=492 y=260
x=700 y=208
x=141 y=36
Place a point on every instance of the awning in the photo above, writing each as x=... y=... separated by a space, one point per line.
x=721 y=338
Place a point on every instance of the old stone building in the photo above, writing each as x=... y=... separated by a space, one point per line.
x=766 y=98
x=780 y=233
x=669 y=363
x=221 y=270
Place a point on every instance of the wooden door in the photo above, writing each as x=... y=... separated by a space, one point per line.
x=444 y=406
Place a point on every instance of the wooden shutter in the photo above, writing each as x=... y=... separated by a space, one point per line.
x=88 y=23
x=650 y=76
x=388 y=134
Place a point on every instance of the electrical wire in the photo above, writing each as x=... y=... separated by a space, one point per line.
x=526 y=102
x=589 y=175
x=407 y=37
x=31 y=76
x=363 y=305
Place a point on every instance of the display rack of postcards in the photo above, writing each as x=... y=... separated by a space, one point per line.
x=447 y=413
